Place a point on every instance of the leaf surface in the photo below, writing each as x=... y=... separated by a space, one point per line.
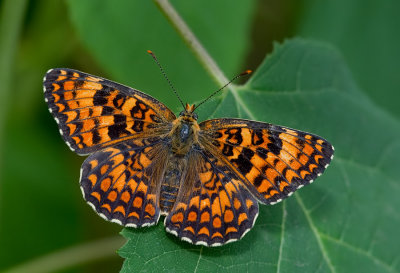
x=367 y=35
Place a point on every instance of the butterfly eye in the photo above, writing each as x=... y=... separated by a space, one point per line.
x=195 y=116
x=182 y=113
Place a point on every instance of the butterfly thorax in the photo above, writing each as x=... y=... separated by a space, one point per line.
x=184 y=133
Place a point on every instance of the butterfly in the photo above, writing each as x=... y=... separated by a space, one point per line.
x=206 y=178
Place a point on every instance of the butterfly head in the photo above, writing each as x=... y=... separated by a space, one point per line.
x=188 y=114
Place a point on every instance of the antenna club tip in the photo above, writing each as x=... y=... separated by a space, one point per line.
x=149 y=51
x=246 y=72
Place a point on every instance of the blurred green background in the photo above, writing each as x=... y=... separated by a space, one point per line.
x=42 y=211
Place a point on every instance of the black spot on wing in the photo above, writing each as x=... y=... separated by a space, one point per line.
x=243 y=161
x=227 y=150
x=99 y=99
x=118 y=128
x=275 y=145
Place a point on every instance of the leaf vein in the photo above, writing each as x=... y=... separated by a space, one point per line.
x=198 y=260
x=358 y=250
x=278 y=269
x=316 y=233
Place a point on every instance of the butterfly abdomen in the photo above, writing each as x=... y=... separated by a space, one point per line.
x=168 y=197
x=171 y=183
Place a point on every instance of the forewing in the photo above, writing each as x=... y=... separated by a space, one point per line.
x=93 y=113
x=122 y=182
x=213 y=206
x=273 y=161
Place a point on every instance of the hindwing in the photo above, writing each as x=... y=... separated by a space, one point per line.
x=213 y=206
x=122 y=183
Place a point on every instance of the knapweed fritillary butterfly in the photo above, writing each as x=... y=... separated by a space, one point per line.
x=206 y=178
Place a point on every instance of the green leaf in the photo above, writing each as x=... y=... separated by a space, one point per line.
x=367 y=34
x=346 y=221
x=118 y=34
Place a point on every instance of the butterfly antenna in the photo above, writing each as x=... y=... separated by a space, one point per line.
x=165 y=76
x=216 y=92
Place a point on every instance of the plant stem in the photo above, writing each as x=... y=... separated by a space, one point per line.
x=71 y=256
x=193 y=43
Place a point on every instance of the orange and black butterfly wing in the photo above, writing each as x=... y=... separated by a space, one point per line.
x=273 y=161
x=93 y=113
x=213 y=207
x=122 y=128
x=122 y=182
